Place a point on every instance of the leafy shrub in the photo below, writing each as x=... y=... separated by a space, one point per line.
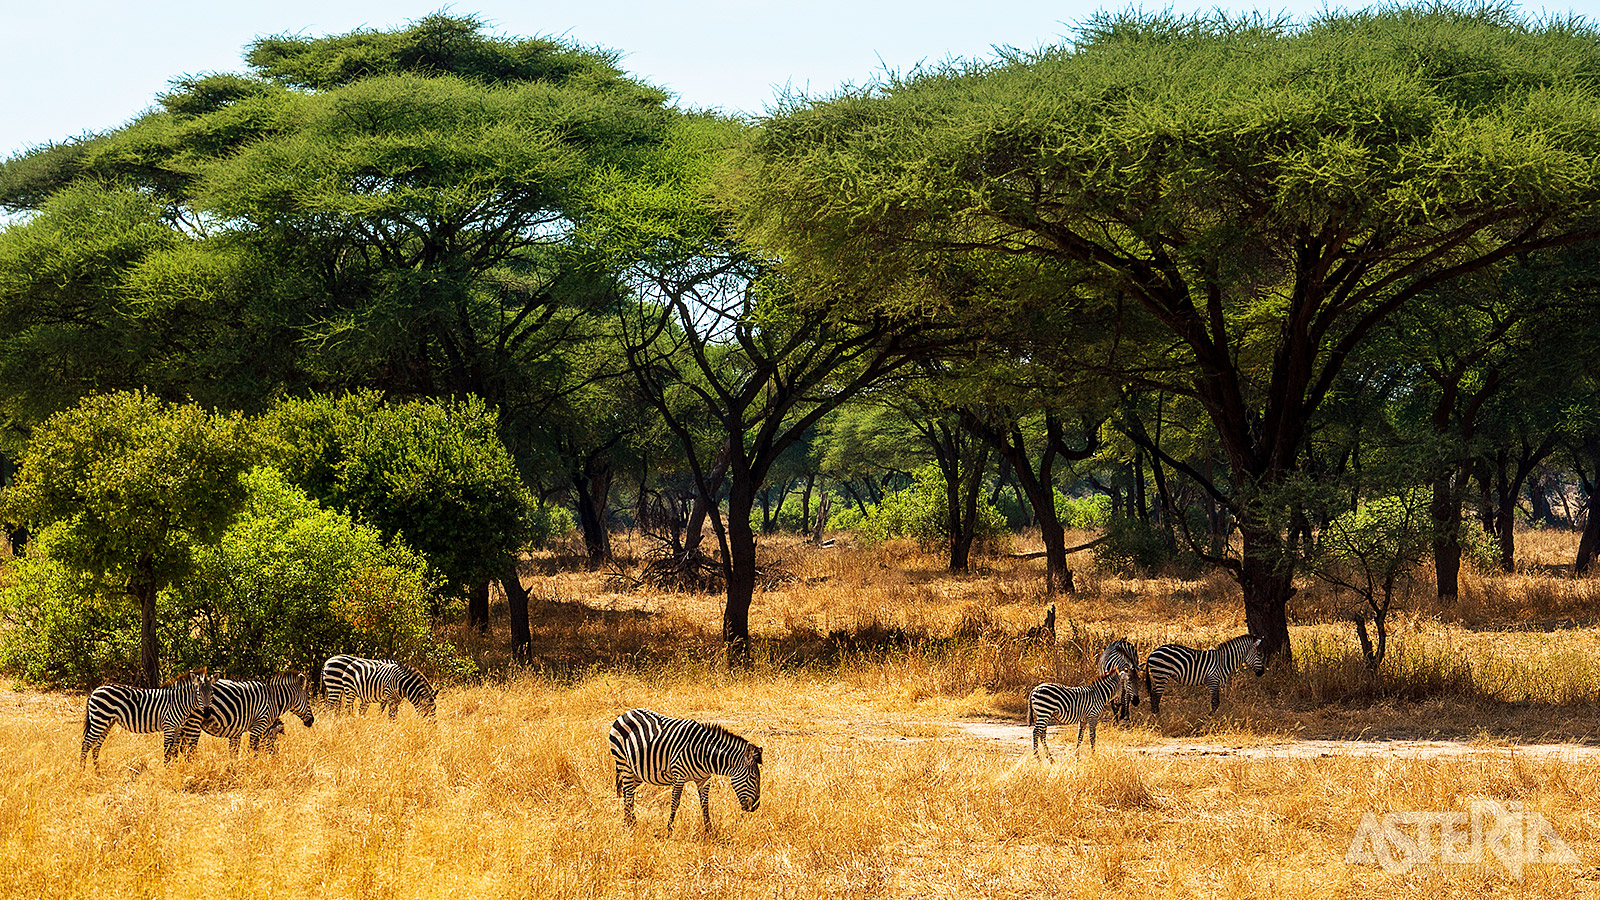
x=919 y=512
x=435 y=472
x=1134 y=546
x=1093 y=511
x=288 y=584
x=291 y=583
x=64 y=628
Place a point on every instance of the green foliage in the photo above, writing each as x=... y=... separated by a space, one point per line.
x=64 y=628
x=1135 y=547
x=437 y=44
x=291 y=583
x=1093 y=511
x=129 y=482
x=919 y=512
x=432 y=472
x=547 y=521
x=288 y=584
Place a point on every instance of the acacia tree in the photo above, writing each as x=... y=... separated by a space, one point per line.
x=1261 y=195
x=722 y=345
x=122 y=486
x=404 y=201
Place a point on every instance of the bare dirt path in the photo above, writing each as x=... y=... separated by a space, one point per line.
x=1013 y=733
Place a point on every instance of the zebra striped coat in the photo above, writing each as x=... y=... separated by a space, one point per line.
x=650 y=748
x=1057 y=704
x=253 y=707
x=168 y=709
x=1177 y=664
x=351 y=678
x=1122 y=653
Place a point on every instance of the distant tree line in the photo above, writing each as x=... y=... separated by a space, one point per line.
x=1235 y=277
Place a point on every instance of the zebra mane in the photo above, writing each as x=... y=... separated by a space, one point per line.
x=185 y=678
x=718 y=729
x=288 y=676
x=1108 y=675
x=1239 y=641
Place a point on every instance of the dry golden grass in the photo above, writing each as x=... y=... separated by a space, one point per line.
x=867 y=664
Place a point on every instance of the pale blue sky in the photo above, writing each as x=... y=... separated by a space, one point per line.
x=70 y=66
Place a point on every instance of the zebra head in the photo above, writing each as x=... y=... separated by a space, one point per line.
x=424 y=697
x=746 y=778
x=195 y=690
x=296 y=696
x=1254 y=659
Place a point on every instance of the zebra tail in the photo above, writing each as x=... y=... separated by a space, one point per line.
x=1150 y=689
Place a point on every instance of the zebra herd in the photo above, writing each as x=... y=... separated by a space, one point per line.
x=1166 y=666
x=650 y=748
x=646 y=747
x=197 y=702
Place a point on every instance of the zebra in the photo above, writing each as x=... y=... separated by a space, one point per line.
x=650 y=748
x=384 y=680
x=238 y=707
x=1122 y=653
x=168 y=709
x=1187 y=666
x=1055 y=703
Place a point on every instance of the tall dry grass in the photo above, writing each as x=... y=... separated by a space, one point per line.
x=509 y=793
x=866 y=661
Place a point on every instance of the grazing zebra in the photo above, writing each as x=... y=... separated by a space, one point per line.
x=168 y=709
x=238 y=707
x=1054 y=703
x=1124 y=654
x=650 y=748
x=384 y=680
x=1177 y=664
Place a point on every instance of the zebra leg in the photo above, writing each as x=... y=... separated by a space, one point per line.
x=92 y=741
x=705 y=804
x=1082 y=724
x=1040 y=732
x=626 y=788
x=677 y=794
x=1092 y=723
x=1216 y=694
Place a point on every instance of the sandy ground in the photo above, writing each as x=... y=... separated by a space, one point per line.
x=1064 y=737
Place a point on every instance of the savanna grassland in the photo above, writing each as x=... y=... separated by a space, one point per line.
x=868 y=665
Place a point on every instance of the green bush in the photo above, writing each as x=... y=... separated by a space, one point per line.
x=291 y=583
x=1093 y=511
x=1134 y=546
x=434 y=472
x=919 y=512
x=288 y=584
x=64 y=628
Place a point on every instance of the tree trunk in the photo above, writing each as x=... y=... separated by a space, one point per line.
x=143 y=588
x=805 y=503
x=478 y=606
x=741 y=571
x=1267 y=584
x=1505 y=515
x=1445 y=510
x=517 y=602
x=694 y=531
x=1589 y=543
x=594 y=492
